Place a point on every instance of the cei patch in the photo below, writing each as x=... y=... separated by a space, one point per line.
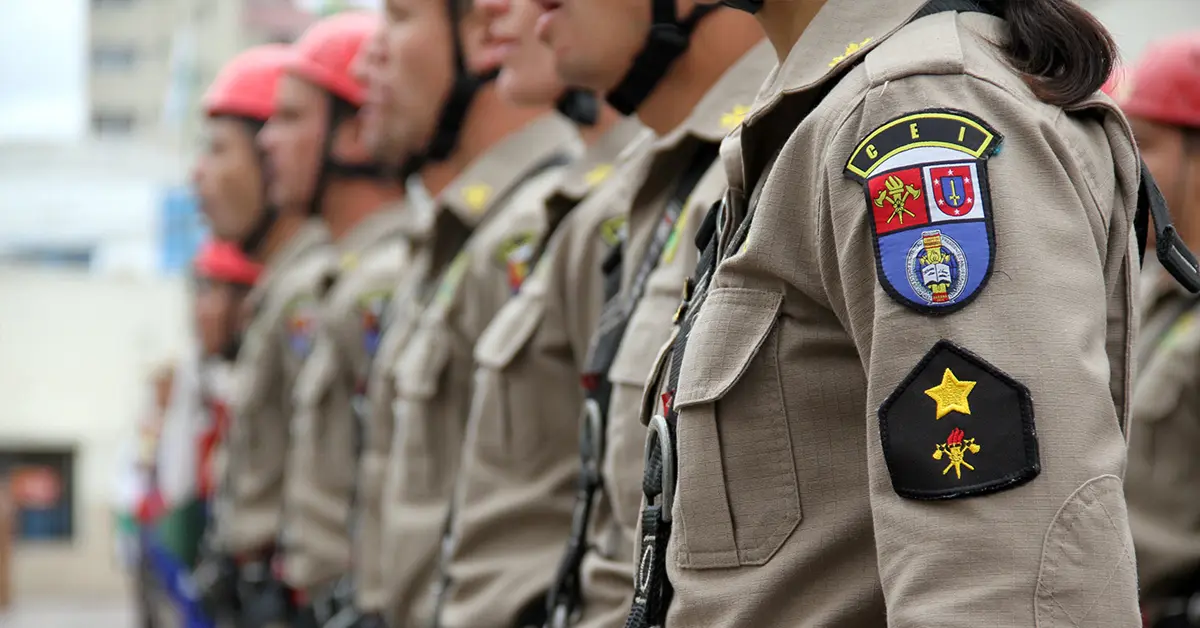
x=301 y=325
x=372 y=309
x=612 y=231
x=958 y=427
x=515 y=254
x=924 y=176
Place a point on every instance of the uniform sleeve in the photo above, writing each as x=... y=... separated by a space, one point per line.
x=981 y=291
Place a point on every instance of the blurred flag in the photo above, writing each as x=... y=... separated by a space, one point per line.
x=183 y=75
x=183 y=229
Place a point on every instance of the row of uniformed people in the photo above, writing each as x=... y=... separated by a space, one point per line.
x=417 y=371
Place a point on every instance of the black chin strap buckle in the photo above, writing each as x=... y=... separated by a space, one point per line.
x=579 y=106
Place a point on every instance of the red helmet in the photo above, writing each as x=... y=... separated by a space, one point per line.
x=225 y=262
x=245 y=87
x=1115 y=81
x=324 y=54
x=1165 y=85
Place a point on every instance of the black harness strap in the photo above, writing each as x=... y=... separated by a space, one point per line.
x=565 y=597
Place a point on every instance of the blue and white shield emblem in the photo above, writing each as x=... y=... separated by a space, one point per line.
x=929 y=207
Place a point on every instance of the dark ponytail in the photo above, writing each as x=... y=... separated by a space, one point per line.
x=1064 y=52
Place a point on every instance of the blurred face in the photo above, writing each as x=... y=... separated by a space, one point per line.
x=294 y=140
x=1176 y=169
x=527 y=70
x=228 y=179
x=215 y=306
x=594 y=41
x=409 y=71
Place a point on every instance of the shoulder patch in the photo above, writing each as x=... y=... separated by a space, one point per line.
x=924 y=176
x=515 y=255
x=373 y=311
x=612 y=231
x=301 y=321
x=958 y=427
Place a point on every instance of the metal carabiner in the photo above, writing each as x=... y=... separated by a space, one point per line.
x=660 y=433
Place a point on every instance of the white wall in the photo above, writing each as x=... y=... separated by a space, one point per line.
x=1136 y=23
x=75 y=354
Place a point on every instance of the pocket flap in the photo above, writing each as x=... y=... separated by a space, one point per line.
x=649 y=328
x=509 y=332
x=735 y=321
x=316 y=375
x=423 y=362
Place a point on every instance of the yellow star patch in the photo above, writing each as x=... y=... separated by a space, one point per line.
x=597 y=174
x=851 y=48
x=951 y=395
x=477 y=196
x=734 y=117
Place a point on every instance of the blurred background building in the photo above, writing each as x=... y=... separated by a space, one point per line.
x=99 y=104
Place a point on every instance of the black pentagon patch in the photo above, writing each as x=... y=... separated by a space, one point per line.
x=958 y=427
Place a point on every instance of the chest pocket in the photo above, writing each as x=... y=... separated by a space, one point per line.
x=630 y=373
x=257 y=369
x=737 y=499
x=316 y=377
x=505 y=394
x=419 y=376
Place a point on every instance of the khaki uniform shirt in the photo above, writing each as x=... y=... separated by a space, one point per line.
x=608 y=569
x=324 y=458
x=808 y=350
x=1164 y=468
x=369 y=565
x=516 y=487
x=433 y=377
x=278 y=339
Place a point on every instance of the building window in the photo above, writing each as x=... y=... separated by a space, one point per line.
x=118 y=57
x=107 y=123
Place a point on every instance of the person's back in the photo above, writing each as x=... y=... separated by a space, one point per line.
x=900 y=388
x=1162 y=99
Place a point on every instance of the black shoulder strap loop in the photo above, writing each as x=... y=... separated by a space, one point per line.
x=1174 y=255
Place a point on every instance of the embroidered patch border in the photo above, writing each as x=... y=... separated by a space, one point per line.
x=918 y=438
x=930 y=211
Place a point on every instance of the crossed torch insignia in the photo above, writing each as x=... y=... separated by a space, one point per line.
x=956 y=448
x=897 y=193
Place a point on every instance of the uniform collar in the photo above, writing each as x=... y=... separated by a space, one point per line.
x=597 y=161
x=724 y=106
x=842 y=32
x=385 y=224
x=489 y=178
x=310 y=236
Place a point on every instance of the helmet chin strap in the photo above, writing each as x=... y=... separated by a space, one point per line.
x=749 y=6
x=252 y=242
x=339 y=111
x=667 y=41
